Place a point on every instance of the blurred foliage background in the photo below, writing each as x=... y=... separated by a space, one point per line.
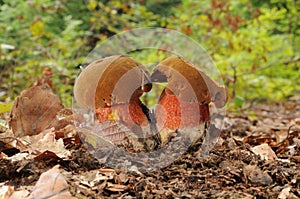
x=255 y=44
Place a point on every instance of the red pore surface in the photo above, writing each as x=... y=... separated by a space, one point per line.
x=130 y=114
x=173 y=114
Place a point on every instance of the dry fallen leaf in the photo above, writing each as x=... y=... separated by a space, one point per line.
x=46 y=155
x=116 y=187
x=51 y=185
x=34 y=111
x=46 y=141
x=95 y=177
x=287 y=142
x=8 y=192
x=265 y=152
x=19 y=194
x=18 y=157
x=256 y=175
x=285 y=193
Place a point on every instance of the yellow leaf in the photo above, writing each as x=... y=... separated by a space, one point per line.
x=203 y=17
x=5 y=107
x=93 y=5
x=183 y=17
x=37 y=28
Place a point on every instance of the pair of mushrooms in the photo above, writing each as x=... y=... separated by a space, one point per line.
x=119 y=80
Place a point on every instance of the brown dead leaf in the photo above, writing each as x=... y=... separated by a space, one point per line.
x=258 y=139
x=8 y=149
x=265 y=152
x=18 y=157
x=68 y=134
x=51 y=185
x=2 y=155
x=256 y=175
x=19 y=194
x=34 y=111
x=116 y=187
x=46 y=155
x=67 y=131
x=46 y=77
x=121 y=178
x=96 y=178
x=281 y=146
x=113 y=131
x=296 y=159
x=46 y=141
x=285 y=193
x=8 y=192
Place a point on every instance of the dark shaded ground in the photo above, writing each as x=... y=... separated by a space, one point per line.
x=231 y=170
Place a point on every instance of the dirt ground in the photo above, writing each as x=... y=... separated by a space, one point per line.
x=256 y=156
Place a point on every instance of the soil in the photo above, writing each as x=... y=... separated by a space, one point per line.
x=230 y=170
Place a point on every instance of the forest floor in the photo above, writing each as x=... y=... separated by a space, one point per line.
x=256 y=156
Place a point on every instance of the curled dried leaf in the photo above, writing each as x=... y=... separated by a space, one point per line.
x=35 y=110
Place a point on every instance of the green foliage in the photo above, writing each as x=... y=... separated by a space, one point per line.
x=41 y=38
x=253 y=43
x=238 y=101
x=254 y=47
x=59 y=35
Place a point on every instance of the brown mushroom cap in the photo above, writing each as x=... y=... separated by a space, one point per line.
x=115 y=79
x=189 y=83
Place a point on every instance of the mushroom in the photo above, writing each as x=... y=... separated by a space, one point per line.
x=111 y=80
x=182 y=75
x=184 y=103
x=111 y=87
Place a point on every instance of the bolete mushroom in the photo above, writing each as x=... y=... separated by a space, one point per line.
x=111 y=87
x=181 y=75
x=184 y=103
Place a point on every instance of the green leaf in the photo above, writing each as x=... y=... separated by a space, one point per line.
x=238 y=101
